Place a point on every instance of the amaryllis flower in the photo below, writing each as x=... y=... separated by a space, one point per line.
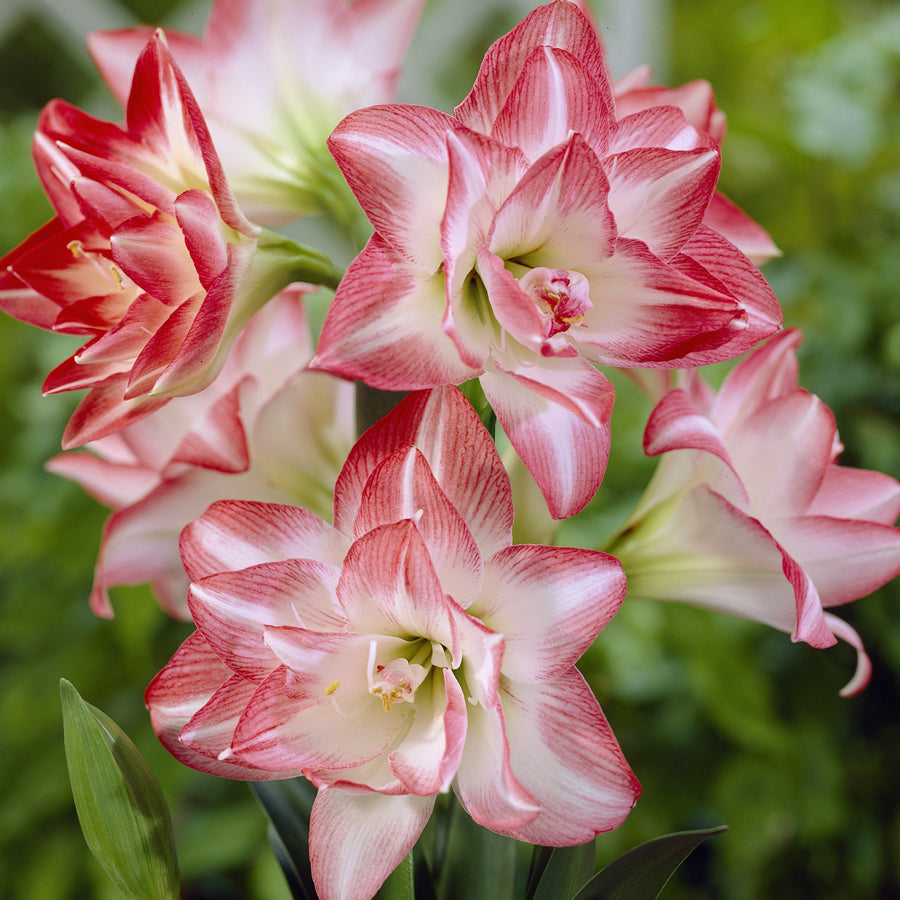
x=749 y=512
x=532 y=236
x=273 y=79
x=265 y=429
x=149 y=256
x=408 y=649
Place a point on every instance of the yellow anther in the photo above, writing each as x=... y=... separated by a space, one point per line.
x=75 y=248
x=332 y=688
x=118 y=276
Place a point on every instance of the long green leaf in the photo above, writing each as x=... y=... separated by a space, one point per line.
x=122 y=811
x=566 y=872
x=641 y=873
x=288 y=805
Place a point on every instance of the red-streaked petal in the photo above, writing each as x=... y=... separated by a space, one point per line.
x=557 y=419
x=357 y=839
x=647 y=313
x=388 y=586
x=403 y=487
x=564 y=752
x=463 y=459
x=395 y=160
x=233 y=609
x=736 y=226
x=558 y=215
x=659 y=196
x=427 y=759
x=560 y=25
x=549 y=603
x=554 y=96
x=235 y=534
x=384 y=325
x=189 y=681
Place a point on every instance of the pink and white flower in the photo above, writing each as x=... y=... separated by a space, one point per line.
x=149 y=256
x=273 y=79
x=749 y=512
x=405 y=650
x=265 y=429
x=532 y=236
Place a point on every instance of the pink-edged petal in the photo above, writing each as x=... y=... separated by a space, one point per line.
x=395 y=160
x=384 y=326
x=557 y=419
x=201 y=226
x=292 y=723
x=443 y=425
x=485 y=783
x=152 y=252
x=559 y=212
x=863 y=674
x=190 y=680
x=554 y=96
x=737 y=227
x=233 y=609
x=659 y=126
x=114 y=484
x=357 y=839
x=677 y=424
x=647 y=313
x=845 y=559
x=848 y=493
x=564 y=753
x=725 y=268
x=766 y=374
x=388 y=586
x=549 y=603
x=403 y=487
x=235 y=534
x=560 y=25
x=427 y=759
x=659 y=196
x=695 y=99
x=104 y=411
x=217 y=440
x=782 y=453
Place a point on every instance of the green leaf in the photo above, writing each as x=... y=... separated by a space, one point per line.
x=122 y=811
x=567 y=870
x=288 y=804
x=399 y=884
x=641 y=873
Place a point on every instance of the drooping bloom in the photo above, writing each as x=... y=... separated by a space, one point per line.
x=749 y=512
x=273 y=79
x=532 y=236
x=404 y=650
x=265 y=429
x=149 y=257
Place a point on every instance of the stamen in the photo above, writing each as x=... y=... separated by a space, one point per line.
x=75 y=248
x=332 y=688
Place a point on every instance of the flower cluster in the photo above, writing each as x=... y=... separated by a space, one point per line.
x=556 y=223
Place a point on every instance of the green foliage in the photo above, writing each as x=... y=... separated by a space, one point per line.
x=122 y=811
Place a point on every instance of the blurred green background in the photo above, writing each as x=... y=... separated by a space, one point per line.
x=723 y=721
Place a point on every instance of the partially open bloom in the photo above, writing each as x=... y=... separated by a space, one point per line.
x=265 y=429
x=273 y=79
x=750 y=513
x=404 y=650
x=149 y=256
x=532 y=236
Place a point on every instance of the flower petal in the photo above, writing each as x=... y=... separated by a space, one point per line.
x=358 y=839
x=557 y=419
